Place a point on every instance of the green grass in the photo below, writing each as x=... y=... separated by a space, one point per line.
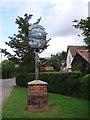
x=61 y=106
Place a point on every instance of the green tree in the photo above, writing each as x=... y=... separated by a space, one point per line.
x=8 y=69
x=23 y=54
x=54 y=60
x=84 y=26
x=57 y=59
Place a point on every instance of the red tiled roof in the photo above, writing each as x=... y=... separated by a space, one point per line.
x=74 y=49
x=81 y=50
x=49 y=68
x=85 y=54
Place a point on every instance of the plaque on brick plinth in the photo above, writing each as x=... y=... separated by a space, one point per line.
x=37 y=96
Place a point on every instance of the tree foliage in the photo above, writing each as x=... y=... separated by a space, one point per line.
x=54 y=60
x=84 y=26
x=23 y=54
x=8 y=69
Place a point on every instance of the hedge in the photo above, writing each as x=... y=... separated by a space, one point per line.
x=85 y=90
x=62 y=83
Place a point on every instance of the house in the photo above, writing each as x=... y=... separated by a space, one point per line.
x=78 y=56
x=81 y=61
x=71 y=52
x=47 y=69
x=63 y=66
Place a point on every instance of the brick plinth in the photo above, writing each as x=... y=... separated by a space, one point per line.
x=37 y=96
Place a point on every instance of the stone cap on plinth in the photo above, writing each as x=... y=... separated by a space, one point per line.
x=38 y=82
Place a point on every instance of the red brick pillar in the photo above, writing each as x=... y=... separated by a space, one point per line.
x=37 y=96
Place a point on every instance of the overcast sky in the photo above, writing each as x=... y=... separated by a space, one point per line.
x=57 y=17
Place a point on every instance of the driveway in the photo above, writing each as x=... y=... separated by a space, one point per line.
x=6 y=88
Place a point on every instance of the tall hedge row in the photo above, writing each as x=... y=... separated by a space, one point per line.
x=62 y=83
x=85 y=89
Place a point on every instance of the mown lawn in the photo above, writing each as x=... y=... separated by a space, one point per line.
x=61 y=106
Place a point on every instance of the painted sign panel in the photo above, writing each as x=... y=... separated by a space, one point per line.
x=37 y=36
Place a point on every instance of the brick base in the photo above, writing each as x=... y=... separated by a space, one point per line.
x=37 y=97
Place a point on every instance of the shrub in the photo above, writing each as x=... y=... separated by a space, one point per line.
x=85 y=82
x=23 y=79
x=62 y=83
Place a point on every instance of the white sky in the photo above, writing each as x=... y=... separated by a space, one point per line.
x=57 y=17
